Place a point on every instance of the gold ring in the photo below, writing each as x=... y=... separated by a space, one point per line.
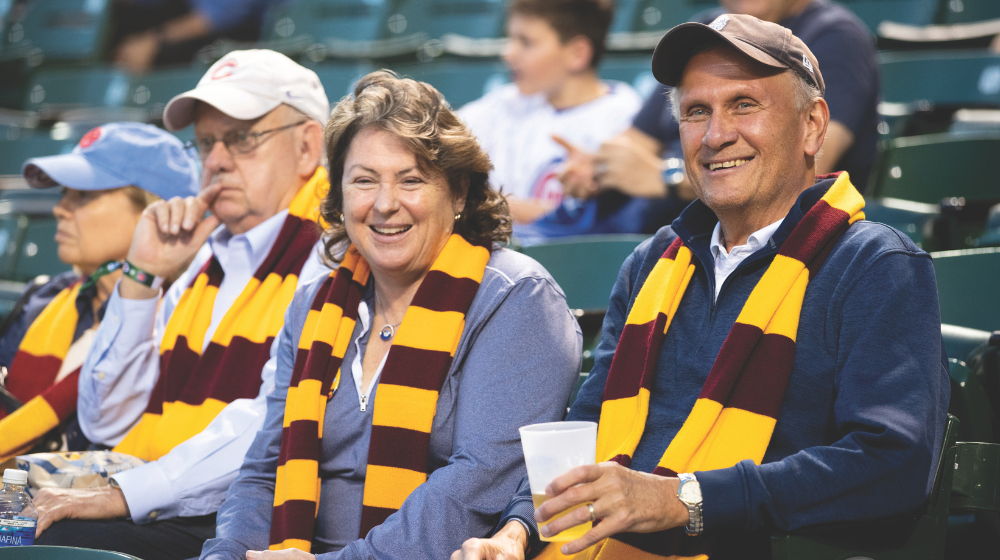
x=592 y=516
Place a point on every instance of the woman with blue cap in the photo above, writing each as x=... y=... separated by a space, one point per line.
x=108 y=180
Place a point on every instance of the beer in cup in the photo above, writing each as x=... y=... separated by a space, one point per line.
x=550 y=450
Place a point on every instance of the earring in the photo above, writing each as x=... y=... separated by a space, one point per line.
x=457 y=215
x=341 y=218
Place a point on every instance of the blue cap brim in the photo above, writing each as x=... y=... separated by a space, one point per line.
x=73 y=171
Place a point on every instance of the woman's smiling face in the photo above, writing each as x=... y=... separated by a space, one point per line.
x=397 y=215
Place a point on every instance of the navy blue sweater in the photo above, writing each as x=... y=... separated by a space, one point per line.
x=864 y=414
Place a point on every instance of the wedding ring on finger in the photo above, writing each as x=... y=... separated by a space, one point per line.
x=601 y=168
x=592 y=516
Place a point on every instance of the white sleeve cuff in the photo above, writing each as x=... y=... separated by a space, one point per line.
x=148 y=493
x=135 y=319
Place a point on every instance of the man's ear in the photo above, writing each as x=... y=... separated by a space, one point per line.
x=817 y=118
x=580 y=52
x=309 y=148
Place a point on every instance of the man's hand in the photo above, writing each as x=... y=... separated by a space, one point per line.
x=624 y=500
x=508 y=544
x=168 y=236
x=55 y=504
x=287 y=554
x=628 y=166
x=577 y=172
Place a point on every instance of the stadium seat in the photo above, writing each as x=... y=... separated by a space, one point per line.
x=915 y=219
x=53 y=91
x=911 y=12
x=918 y=535
x=967 y=287
x=40 y=552
x=155 y=89
x=626 y=14
x=338 y=79
x=968 y=11
x=477 y=19
x=14 y=152
x=39 y=252
x=991 y=235
x=932 y=78
x=660 y=15
x=635 y=71
x=585 y=267
x=59 y=30
x=460 y=81
x=931 y=167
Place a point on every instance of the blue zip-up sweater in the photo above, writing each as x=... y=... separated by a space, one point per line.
x=863 y=417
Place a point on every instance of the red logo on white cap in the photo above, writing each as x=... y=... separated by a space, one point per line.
x=224 y=71
x=90 y=137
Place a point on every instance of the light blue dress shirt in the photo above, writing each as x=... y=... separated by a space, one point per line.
x=123 y=365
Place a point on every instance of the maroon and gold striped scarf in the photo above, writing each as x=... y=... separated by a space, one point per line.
x=735 y=414
x=405 y=402
x=193 y=387
x=34 y=371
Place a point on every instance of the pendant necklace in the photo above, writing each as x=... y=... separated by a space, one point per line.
x=388 y=331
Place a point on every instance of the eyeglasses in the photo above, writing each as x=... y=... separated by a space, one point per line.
x=236 y=141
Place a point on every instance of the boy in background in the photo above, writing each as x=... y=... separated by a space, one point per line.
x=556 y=100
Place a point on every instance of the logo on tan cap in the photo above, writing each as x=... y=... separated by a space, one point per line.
x=807 y=64
x=719 y=22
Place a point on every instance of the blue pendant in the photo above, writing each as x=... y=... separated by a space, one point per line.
x=387 y=332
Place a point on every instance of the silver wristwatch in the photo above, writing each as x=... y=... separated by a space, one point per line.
x=689 y=493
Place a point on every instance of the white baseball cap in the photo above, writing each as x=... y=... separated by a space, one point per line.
x=249 y=84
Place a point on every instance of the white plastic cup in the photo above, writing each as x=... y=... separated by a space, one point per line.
x=550 y=450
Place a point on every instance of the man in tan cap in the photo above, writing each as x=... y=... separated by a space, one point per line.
x=770 y=360
x=181 y=381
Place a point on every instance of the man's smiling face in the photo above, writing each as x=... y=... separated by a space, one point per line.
x=742 y=134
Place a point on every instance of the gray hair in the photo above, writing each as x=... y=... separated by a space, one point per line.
x=805 y=95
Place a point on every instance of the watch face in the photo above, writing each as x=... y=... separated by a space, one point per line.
x=691 y=492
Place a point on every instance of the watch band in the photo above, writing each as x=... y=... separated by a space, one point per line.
x=696 y=522
x=141 y=276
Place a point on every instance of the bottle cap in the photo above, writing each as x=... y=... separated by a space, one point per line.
x=15 y=476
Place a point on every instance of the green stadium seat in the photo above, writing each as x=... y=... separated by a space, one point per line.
x=40 y=552
x=59 y=30
x=62 y=89
x=954 y=78
x=459 y=80
x=915 y=219
x=39 y=252
x=968 y=11
x=576 y=388
x=585 y=267
x=967 y=287
x=339 y=28
x=476 y=19
x=911 y=12
x=917 y=535
x=991 y=235
x=13 y=153
x=338 y=79
x=635 y=71
x=626 y=14
x=935 y=166
x=155 y=89
x=660 y=15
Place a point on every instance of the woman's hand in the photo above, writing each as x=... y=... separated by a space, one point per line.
x=508 y=544
x=56 y=504
x=624 y=500
x=287 y=554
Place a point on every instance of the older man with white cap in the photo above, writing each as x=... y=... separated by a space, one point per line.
x=181 y=382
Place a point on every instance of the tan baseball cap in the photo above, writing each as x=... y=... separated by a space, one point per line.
x=768 y=43
x=249 y=84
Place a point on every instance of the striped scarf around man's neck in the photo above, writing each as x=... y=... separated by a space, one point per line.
x=735 y=414
x=194 y=386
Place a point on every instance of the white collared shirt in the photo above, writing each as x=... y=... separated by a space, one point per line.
x=727 y=261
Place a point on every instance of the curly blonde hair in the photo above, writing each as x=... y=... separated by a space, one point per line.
x=419 y=115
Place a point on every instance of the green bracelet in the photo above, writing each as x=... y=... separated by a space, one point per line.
x=141 y=276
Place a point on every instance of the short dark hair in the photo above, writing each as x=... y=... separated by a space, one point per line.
x=572 y=18
x=417 y=113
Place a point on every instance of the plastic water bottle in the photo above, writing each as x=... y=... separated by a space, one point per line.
x=18 y=516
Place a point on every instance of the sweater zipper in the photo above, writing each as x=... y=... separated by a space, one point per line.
x=364 y=403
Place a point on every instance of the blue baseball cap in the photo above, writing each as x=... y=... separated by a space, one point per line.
x=119 y=155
